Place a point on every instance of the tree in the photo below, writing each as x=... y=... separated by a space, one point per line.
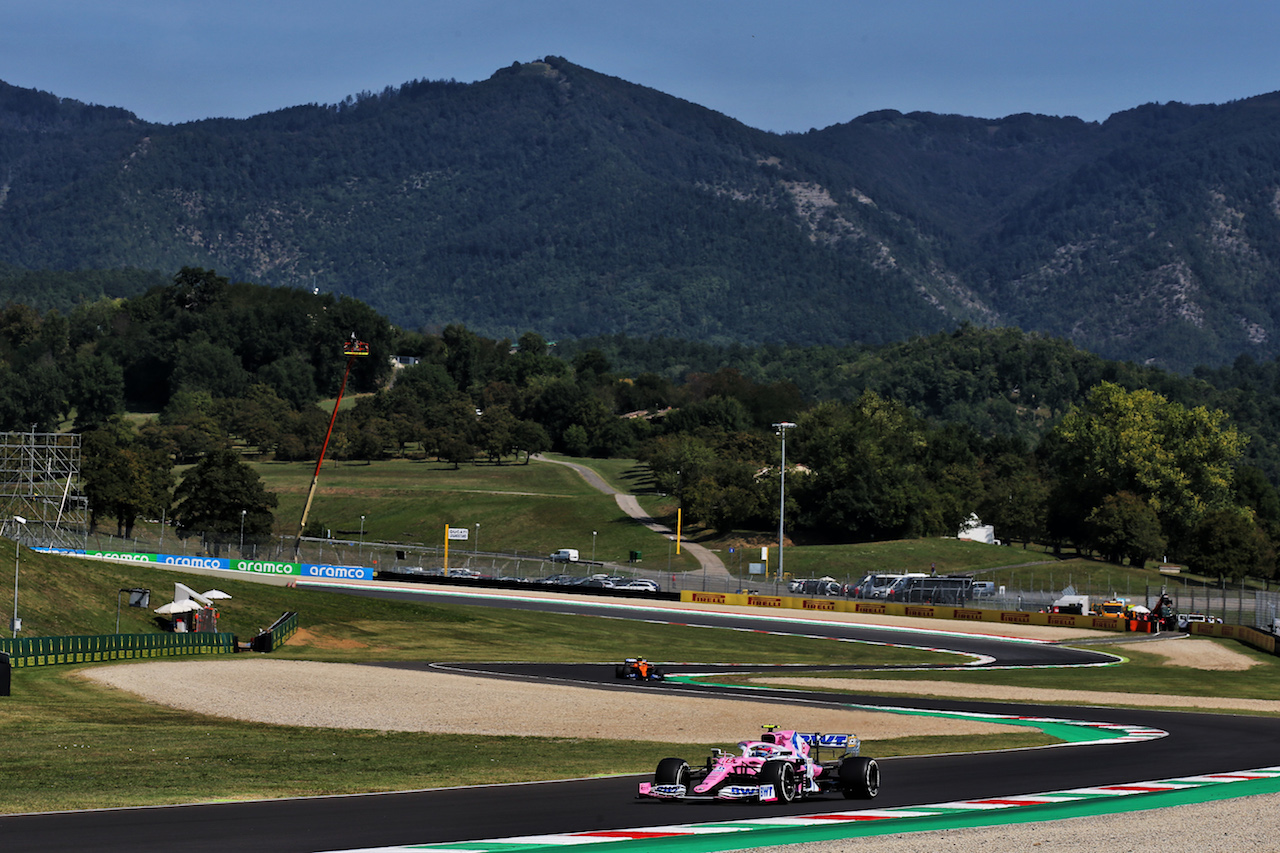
x=453 y=449
x=191 y=424
x=1177 y=459
x=531 y=438
x=497 y=432
x=1226 y=543
x=96 y=389
x=868 y=472
x=1015 y=496
x=123 y=478
x=575 y=441
x=1124 y=525
x=219 y=494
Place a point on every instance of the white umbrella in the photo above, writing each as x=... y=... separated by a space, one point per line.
x=173 y=607
x=216 y=593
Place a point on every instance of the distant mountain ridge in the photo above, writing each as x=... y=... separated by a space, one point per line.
x=555 y=199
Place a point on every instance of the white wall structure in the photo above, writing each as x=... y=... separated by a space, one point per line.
x=974 y=530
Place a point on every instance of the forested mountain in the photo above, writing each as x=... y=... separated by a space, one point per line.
x=556 y=199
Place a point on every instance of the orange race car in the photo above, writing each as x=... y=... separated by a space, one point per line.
x=638 y=669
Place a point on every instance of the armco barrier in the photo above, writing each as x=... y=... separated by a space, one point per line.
x=921 y=611
x=50 y=651
x=255 y=567
x=1250 y=636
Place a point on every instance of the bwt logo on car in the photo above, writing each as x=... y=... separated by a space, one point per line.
x=265 y=567
x=347 y=572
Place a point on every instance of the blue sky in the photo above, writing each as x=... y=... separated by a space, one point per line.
x=778 y=66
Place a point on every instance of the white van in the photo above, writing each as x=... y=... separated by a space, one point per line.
x=564 y=555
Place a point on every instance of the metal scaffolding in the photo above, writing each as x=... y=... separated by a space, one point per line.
x=41 y=501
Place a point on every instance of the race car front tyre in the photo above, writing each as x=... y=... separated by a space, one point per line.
x=859 y=778
x=620 y=671
x=672 y=771
x=782 y=776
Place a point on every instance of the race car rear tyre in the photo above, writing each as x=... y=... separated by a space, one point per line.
x=672 y=771
x=782 y=776
x=859 y=778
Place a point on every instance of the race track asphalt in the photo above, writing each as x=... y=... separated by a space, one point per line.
x=1196 y=743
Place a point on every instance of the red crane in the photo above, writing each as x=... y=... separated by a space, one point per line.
x=352 y=349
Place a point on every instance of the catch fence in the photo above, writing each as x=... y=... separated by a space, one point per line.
x=1232 y=604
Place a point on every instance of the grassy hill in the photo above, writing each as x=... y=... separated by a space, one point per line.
x=537 y=508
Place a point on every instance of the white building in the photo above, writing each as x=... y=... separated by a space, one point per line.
x=974 y=530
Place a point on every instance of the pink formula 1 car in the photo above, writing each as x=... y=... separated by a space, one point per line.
x=782 y=766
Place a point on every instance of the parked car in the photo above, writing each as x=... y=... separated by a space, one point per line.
x=876 y=584
x=639 y=584
x=819 y=586
x=564 y=555
x=947 y=589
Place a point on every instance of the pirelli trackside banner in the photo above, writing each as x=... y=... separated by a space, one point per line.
x=257 y=567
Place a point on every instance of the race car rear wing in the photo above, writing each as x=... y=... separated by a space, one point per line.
x=831 y=744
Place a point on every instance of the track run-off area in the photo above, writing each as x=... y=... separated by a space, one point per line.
x=1110 y=760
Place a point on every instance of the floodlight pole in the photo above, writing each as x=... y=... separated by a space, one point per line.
x=782 y=487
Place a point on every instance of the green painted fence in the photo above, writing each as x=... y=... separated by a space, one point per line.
x=50 y=651
x=279 y=632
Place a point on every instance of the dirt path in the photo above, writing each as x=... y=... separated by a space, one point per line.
x=708 y=561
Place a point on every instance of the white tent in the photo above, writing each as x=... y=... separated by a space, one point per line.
x=185 y=606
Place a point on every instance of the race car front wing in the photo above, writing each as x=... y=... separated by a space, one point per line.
x=763 y=793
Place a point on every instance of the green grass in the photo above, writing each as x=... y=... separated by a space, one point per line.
x=70 y=743
x=528 y=509
x=625 y=475
x=73 y=744
x=520 y=509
